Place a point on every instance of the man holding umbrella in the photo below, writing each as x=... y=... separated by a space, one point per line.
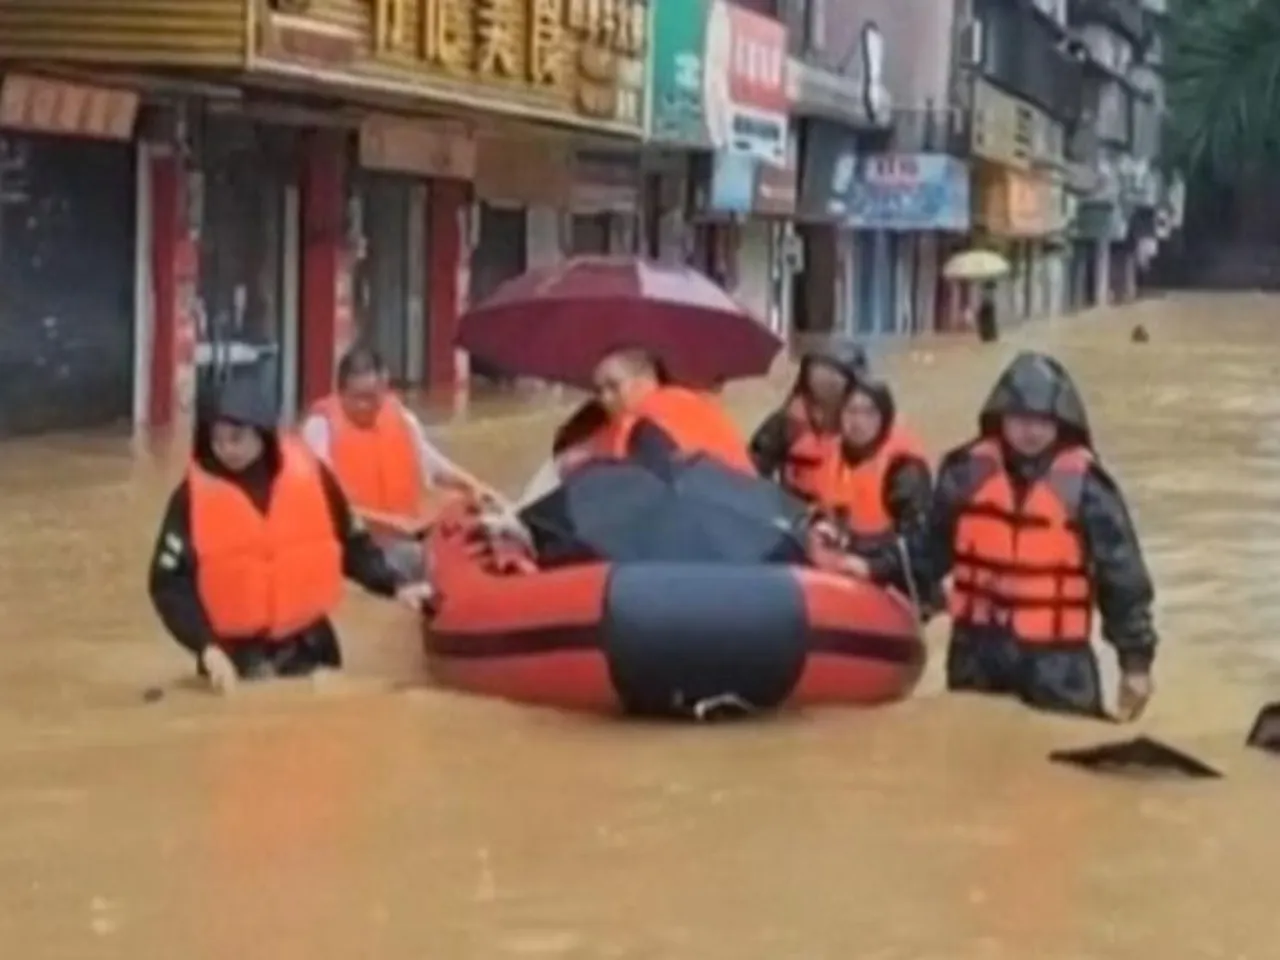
x=629 y=330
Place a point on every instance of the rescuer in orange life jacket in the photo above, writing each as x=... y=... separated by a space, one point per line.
x=393 y=476
x=254 y=546
x=874 y=496
x=1036 y=535
x=794 y=442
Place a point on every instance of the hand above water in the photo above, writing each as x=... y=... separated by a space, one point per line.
x=1134 y=694
x=416 y=596
x=219 y=670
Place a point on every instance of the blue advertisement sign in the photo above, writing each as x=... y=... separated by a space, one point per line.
x=911 y=192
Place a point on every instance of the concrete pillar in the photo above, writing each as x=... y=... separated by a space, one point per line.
x=1102 y=273
x=326 y=329
x=448 y=272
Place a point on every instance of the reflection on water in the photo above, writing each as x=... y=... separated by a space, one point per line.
x=359 y=818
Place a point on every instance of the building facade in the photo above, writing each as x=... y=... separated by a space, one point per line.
x=843 y=112
x=719 y=109
x=259 y=182
x=1026 y=86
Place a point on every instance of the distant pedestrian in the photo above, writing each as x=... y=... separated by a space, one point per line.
x=988 y=327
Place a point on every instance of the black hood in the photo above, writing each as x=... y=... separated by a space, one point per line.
x=1035 y=384
x=843 y=355
x=882 y=396
x=241 y=399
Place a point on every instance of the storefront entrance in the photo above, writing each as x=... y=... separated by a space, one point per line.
x=67 y=271
x=246 y=217
x=391 y=273
x=501 y=254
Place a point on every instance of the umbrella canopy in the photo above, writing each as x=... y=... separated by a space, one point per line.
x=694 y=510
x=976 y=265
x=558 y=322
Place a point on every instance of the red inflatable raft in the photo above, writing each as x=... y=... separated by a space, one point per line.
x=661 y=638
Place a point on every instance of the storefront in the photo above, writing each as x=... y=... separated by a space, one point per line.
x=604 y=203
x=915 y=200
x=1099 y=230
x=404 y=168
x=268 y=242
x=390 y=272
x=1020 y=211
x=823 y=287
x=758 y=199
x=244 y=219
x=874 y=282
x=850 y=280
x=68 y=250
x=734 y=114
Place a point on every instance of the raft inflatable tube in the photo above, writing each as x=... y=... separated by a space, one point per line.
x=661 y=639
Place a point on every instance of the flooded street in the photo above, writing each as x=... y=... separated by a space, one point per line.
x=371 y=816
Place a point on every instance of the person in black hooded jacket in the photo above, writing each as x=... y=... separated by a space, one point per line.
x=254 y=545
x=873 y=507
x=1036 y=536
x=793 y=441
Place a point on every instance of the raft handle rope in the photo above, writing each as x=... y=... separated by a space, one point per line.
x=709 y=708
x=908 y=574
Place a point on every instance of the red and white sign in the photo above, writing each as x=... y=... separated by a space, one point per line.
x=758 y=69
x=752 y=51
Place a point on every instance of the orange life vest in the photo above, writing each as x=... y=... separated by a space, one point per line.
x=1022 y=566
x=811 y=454
x=379 y=467
x=265 y=576
x=695 y=423
x=855 y=493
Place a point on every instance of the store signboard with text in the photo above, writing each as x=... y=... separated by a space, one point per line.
x=1018 y=205
x=580 y=62
x=719 y=79
x=910 y=192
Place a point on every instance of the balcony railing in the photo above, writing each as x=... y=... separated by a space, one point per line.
x=1027 y=57
x=1125 y=17
x=931 y=130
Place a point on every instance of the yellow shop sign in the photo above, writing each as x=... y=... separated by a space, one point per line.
x=587 y=56
x=1016 y=204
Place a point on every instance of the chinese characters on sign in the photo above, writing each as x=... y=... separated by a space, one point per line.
x=41 y=105
x=911 y=192
x=758 y=86
x=588 y=54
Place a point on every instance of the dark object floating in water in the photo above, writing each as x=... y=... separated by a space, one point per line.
x=1265 y=734
x=152 y=695
x=1140 y=334
x=1140 y=756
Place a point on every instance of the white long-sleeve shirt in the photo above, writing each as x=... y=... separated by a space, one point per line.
x=318 y=435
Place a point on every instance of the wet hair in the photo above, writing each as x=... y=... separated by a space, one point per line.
x=360 y=361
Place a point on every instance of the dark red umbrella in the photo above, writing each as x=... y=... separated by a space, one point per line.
x=557 y=323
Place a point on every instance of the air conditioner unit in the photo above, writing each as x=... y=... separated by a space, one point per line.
x=971 y=44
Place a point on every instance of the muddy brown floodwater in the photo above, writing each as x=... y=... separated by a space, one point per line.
x=374 y=817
